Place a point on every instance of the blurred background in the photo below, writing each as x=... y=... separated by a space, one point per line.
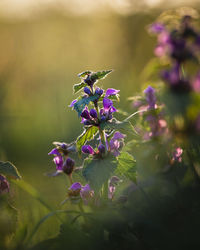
x=44 y=44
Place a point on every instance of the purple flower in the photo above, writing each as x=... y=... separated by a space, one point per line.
x=116 y=143
x=85 y=114
x=108 y=105
x=114 y=180
x=75 y=189
x=156 y=28
x=99 y=91
x=87 y=90
x=93 y=113
x=110 y=92
x=196 y=83
x=86 y=193
x=172 y=76
x=87 y=149
x=101 y=149
x=150 y=97
x=72 y=103
x=4 y=185
x=58 y=160
x=177 y=155
x=68 y=166
x=54 y=151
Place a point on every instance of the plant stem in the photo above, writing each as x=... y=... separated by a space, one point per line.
x=101 y=132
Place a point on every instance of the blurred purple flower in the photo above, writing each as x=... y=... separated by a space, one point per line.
x=114 y=180
x=75 y=189
x=156 y=28
x=68 y=166
x=116 y=143
x=196 y=83
x=86 y=194
x=177 y=155
x=150 y=97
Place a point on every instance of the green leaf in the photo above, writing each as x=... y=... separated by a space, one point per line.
x=80 y=105
x=126 y=166
x=98 y=171
x=87 y=135
x=85 y=73
x=100 y=74
x=79 y=86
x=123 y=126
x=7 y=168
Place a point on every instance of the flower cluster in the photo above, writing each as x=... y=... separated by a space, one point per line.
x=153 y=115
x=77 y=191
x=63 y=163
x=113 y=146
x=179 y=45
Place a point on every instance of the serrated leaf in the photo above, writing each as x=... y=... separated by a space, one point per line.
x=8 y=169
x=85 y=73
x=80 y=105
x=79 y=86
x=100 y=74
x=87 y=135
x=98 y=171
x=126 y=166
x=123 y=126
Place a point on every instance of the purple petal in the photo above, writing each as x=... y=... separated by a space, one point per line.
x=72 y=103
x=93 y=113
x=54 y=151
x=85 y=114
x=107 y=103
x=111 y=92
x=58 y=160
x=113 y=109
x=75 y=186
x=87 y=149
x=118 y=135
x=156 y=28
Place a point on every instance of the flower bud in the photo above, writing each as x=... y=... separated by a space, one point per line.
x=93 y=113
x=99 y=91
x=87 y=90
x=85 y=114
x=87 y=149
x=102 y=149
x=68 y=166
x=89 y=81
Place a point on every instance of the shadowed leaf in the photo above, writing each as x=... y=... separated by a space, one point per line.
x=7 y=168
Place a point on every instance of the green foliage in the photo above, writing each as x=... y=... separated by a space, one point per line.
x=79 y=86
x=100 y=74
x=124 y=126
x=7 y=168
x=87 y=135
x=80 y=105
x=85 y=73
x=98 y=171
x=126 y=166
